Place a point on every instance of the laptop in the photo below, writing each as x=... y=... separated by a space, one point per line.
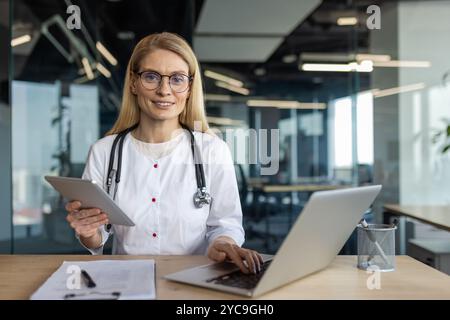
x=319 y=233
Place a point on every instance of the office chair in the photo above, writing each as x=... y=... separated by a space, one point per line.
x=253 y=210
x=260 y=214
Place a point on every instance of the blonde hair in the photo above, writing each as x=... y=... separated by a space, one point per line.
x=194 y=110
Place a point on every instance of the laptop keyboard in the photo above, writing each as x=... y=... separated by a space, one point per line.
x=239 y=279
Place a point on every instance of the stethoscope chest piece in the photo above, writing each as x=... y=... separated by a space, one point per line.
x=201 y=197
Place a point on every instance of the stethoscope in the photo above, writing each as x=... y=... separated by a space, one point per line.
x=201 y=197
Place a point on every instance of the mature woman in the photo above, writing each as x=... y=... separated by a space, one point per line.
x=180 y=204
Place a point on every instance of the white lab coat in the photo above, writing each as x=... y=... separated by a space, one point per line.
x=159 y=199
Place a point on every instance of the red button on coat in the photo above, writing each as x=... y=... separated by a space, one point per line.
x=154 y=235
x=153 y=199
x=155 y=165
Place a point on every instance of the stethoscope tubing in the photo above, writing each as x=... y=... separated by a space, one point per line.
x=201 y=196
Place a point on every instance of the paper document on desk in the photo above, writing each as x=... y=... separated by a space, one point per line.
x=114 y=279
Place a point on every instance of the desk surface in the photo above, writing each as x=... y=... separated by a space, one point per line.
x=439 y=216
x=21 y=275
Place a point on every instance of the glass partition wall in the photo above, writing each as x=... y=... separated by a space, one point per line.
x=316 y=94
x=68 y=63
x=5 y=130
x=55 y=115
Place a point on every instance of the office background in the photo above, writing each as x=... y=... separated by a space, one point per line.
x=374 y=118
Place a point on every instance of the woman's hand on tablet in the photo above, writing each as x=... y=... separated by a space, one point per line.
x=86 y=222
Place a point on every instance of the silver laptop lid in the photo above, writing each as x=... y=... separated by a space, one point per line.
x=318 y=235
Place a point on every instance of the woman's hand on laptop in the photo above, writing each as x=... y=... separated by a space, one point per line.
x=224 y=248
x=85 y=222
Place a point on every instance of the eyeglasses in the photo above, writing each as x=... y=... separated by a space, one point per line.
x=151 y=80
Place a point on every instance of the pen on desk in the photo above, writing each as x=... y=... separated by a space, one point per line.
x=87 y=278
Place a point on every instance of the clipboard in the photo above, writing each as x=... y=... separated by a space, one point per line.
x=115 y=280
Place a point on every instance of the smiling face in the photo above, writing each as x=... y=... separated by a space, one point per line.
x=162 y=103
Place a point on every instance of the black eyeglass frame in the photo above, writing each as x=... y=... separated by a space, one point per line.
x=190 y=78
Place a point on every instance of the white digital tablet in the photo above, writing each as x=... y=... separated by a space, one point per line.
x=91 y=195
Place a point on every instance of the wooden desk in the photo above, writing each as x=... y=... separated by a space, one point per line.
x=257 y=182
x=21 y=275
x=292 y=188
x=272 y=188
x=438 y=216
